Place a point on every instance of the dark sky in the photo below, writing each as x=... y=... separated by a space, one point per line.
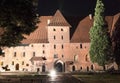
x=76 y=7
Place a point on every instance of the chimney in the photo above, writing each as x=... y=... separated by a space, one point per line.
x=48 y=21
x=90 y=16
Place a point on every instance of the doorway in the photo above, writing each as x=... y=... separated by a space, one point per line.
x=17 y=67
x=58 y=67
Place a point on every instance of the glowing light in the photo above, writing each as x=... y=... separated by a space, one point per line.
x=52 y=73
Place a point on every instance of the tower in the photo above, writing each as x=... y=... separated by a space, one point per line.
x=58 y=29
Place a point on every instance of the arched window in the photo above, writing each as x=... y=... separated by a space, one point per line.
x=87 y=68
x=92 y=68
x=76 y=58
x=86 y=58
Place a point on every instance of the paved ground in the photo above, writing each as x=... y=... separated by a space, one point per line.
x=40 y=79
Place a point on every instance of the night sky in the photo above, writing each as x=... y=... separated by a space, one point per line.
x=76 y=7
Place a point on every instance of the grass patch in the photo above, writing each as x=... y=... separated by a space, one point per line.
x=98 y=78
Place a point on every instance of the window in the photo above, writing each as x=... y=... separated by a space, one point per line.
x=86 y=58
x=87 y=68
x=22 y=62
x=54 y=29
x=14 y=54
x=43 y=52
x=2 y=63
x=43 y=45
x=55 y=56
x=33 y=53
x=62 y=55
x=54 y=46
x=62 y=37
x=76 y=58
x=12 y=62
x=27 y=64
x=61 y=29
x=62 y=46
x=23 y=54
x=92 y=68
x=80 y=45
x=80 y=68
x=54 y=37
x=31 y=45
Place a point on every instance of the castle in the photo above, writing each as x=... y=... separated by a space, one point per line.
x=50 y=47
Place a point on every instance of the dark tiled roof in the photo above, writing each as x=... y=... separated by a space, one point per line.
x=81 y=33
x=115 y=19
x=37 y=58
x=40 y=34
x=58 y=20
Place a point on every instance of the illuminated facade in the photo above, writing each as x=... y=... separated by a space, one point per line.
x=50 y=47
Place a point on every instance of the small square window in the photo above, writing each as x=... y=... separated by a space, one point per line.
x=55 y=56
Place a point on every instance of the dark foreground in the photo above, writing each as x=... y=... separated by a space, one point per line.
x=39 y=79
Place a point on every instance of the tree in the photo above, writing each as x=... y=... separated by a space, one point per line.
x=116 y=42
x=100 y=46
x=17 y=17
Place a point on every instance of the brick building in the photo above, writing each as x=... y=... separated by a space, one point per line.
x=50 y=47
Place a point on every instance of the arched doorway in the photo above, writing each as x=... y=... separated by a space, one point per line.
x=59 y=66
x=17 y=67
x=43 y=68
x=73 y=68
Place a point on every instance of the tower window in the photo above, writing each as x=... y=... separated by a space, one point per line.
x=54 y=37
x=54 y=46
x=62 y=37
x=62 y=46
